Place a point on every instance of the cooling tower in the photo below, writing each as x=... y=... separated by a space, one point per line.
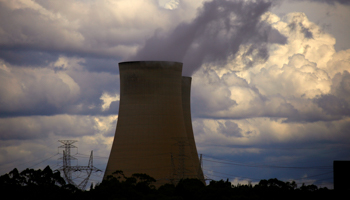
x=186 y=107
x=151 y=133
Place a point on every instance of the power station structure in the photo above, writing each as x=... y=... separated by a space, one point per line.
x=154 y=132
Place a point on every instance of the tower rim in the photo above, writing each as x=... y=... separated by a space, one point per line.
x=150 y=61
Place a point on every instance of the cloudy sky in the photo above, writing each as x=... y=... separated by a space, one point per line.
x=270 y=87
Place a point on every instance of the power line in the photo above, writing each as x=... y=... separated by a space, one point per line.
x=43 y=160
x=266 y=166
x=231 y=174
x=261 y=179
x=314 y=175
x=32 y=161
x=313 y=181
x=87 y=156
x=262 y=164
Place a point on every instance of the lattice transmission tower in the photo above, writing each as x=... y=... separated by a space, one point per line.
x=180 y=171
x=67 y=169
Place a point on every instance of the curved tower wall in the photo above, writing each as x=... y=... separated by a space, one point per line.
x=151 y=134
x=186 y=107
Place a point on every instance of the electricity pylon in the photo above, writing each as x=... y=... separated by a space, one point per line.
x=181 y=170
x=67 y=169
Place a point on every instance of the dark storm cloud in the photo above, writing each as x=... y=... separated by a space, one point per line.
x=218 y=31
x=35 y=34
x=27 y=91
x=337 y=103
x=275 y=36
x=307 y=33
x=113 y=108
x=43 y=108
x=304 y=30
x=333 y=105
x=331 y=2
x=270 y=162
x=108 y=65
x=341 y=85
x=21 y=57
x=276 y=147
x=35 y=127
x=230 y=129
x=28 y=29
x=92 y=86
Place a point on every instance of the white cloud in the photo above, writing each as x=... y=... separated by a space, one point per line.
x=339 y=63
x=298 y=78
x=108 y=99
x=240 y=181
x=100 y=28
x=284 y=86
x=259 y=134
x=168 y=4
x=23 y=88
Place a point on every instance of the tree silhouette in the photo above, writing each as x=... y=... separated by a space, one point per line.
x=38 y=184
x=48 y=184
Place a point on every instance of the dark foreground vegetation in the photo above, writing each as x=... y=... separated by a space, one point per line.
x=48 y=184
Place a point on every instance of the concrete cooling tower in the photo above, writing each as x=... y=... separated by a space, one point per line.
x=186 y=109
x=154 y=130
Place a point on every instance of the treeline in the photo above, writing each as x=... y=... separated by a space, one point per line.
x=48 y=184
x=35 y=184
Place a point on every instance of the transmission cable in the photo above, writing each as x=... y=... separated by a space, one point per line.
x=266 y=166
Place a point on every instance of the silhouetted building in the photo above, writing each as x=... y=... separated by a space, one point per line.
x=154 y=129
x=341 y=170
